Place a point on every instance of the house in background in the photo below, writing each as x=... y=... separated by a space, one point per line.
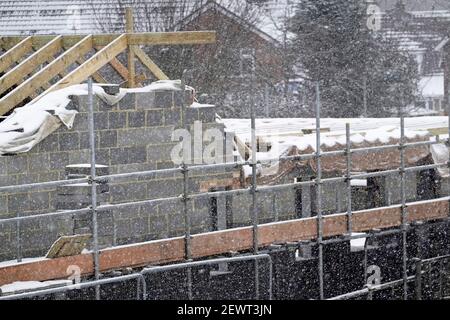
x=251 y=38
x=248 y=55
x=418 y=29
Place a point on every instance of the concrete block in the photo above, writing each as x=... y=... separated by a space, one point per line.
x=176 y=221
x=164 y=99
x=129 y=101
x=145 y=100
x=51 y=176
x=154 y=118
x=164 y=188
x=117 y=120
x=161 y=152
x=39 y=200
x=172 y=116
x=139 y=226
x=81 y=101
x=81 y=122
x=18 y=202
x=170 y=208
x=3 y=165
x=128 y=155
x=108 y=138
x=8 y=180
x=69 y=141
x=123 y=229
x=25 y=178
x=79 y=156
x=16 y=164
x=58 y=160
x=158 y=225
x=178 y=98
x=133 y=167
x=39 y=162
x=144 y=136
x=101 y=120
x=49 y=144
x=128 y=192
x=136 y=119
x=3 y=205
x=85 y=142
x=105 y=107
x=103 y=156
x=147 y=210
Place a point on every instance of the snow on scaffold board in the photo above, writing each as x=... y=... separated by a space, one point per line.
x=68 y=246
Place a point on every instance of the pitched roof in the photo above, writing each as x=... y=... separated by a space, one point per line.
x=416 y=5
x=254 y=25
x=25 y=17
x=416 y=31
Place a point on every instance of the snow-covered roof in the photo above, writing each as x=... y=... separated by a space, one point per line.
x=289 y=136
x=25 y=17
x=294 y=126
x=432 y=86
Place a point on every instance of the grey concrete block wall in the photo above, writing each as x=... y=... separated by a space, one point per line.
x=133 y=135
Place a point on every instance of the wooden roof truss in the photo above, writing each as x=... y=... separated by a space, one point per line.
x=30 y=67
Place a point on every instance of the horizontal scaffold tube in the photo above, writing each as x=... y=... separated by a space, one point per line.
x=221 y=242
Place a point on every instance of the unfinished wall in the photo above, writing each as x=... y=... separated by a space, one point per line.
x=133 y=135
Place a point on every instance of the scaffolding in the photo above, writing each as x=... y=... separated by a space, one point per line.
x=255 y=237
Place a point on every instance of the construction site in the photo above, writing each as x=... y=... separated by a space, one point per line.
x=130 y=189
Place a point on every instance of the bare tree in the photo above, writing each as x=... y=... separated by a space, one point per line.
x=223 y=67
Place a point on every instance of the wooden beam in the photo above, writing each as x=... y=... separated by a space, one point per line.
x=130 y=56
x=120 y=68
x=92 y=65
x=145 y=38
x=173 y=38
x=14 y=54
x=68 y=40
x=27 y=66
x=57 y=66
x=96 y=75
x=220 y=242
x=146 y=61
x=123 y=71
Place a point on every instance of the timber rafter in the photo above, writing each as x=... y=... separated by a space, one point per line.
x=25 y=73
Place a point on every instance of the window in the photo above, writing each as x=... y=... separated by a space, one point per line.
x=247 y=62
